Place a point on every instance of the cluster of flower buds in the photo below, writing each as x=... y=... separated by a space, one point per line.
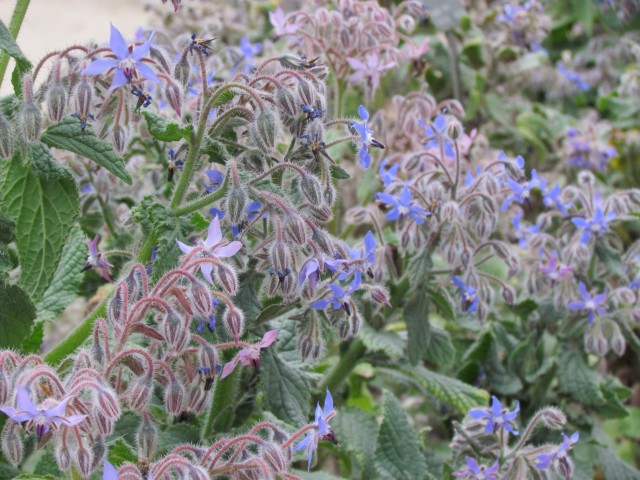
x=525 y=24
x=360 y=40
x=483 y=441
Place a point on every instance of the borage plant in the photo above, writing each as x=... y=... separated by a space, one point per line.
x=264 y=219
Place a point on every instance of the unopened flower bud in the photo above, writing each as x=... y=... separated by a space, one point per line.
x=56 y=102
x=182 y=71
x=174 y=97
x=200 y=298
x=104 y=423
x=306 y=92
x=509 y=294
x=295 y=228
x=146 y=439
x=565 y=466
x=197 y=473
x=380 y=295
x=140 y=393
x=321 y=213
x=108 y=403
x=208 y=358
x=553 y=418
x=616 y=339
x=84 y=461
x=30 y=121
x=311 y=189
x=6 y=138
x=226 y=277
x=323 y=241
x=4 y=388
x=274 y=457
x=233 y=320
x=287 y=102
x=63 y=457
x=454 y=128
x=264 y=130
x=119 y=138
x=83 y=95
x=174 y=330
x=236 y=204
x=357 y=215
x=174 y=397
x=12 y=447
x=586 y=178
x=98 y=451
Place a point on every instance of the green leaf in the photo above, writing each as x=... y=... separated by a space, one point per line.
x=448 y=390
x=178 y=434
x=613 y=467
x=383 y=341
x=273 y=311
x=319 y=475
x=224 y=97
x=16 y=315
x=339 y=173
x=578 y=380
x=440 y=349
x=247 y=296
x=358 y=433
x=416 y=316
x=33 y=340
x=8 y=44
x=165 y=131
x=121 y=452
x=67 y=135
x=286 y=390
x=66 y=280
x=398 y=452
x=441 y=304
x=44 y=203
x=47 y=465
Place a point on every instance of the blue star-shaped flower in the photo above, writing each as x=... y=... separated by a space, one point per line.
x=402 y=206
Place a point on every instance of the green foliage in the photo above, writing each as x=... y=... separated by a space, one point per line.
x=17 y=314
x=285 y=388
x=67 y=135
x=358 y=431
x=43 y=200
x=398 y=452
x=165 y=131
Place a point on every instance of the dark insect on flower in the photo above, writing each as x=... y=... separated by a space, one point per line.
x=308 y=63
x=83 y=120
x=317 y=146
x=312 y=113
x=173 y=165
x=201 y=44
x=144 y=99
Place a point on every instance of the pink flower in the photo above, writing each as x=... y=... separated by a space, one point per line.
x=214 y=245
x=42 y=418
x=250 y=355
x=95 y=260
x=371 y=70
x=279 y=21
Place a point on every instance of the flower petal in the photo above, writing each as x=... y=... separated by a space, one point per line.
x=117 y=43
x=228 y=250
x=147 y=72
x=214 y=234
x=142 y=50
x=99 y=66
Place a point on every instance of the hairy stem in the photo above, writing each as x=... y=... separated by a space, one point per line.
x=345 y=366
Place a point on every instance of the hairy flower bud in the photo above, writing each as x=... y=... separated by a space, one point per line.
x=30 y=121
x=287 y=102
x=236 y=204
x=63 y=457
x=553 y=418
x=321 y=213
x=4 y=388
x=174 y=97
x=509 y=294
x=311 y=189
x=380 y=295
x=233 y=320
x=200 y=298
x=264 y=130
x=616 y=339
x=174 y=397
x=12 y=447
x=174 y=330
x=56 y=102
x=107 y=402
x=226 y=277
x=306 y=92
x=119 y=138
x=146 y=438
x=98 y=450
x=295 y=228
x=274 y=456
x=208 y=357
x=140 y=392
x=83 y=95
x=84 y=461
x=323 y=241
x=181 y=71
x=6 y=138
